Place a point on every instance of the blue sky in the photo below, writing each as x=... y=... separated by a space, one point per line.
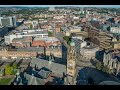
x=107 y=6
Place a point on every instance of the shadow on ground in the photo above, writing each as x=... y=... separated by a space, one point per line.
x=92 y=76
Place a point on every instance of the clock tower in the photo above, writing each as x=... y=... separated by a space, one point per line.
x=71 y=63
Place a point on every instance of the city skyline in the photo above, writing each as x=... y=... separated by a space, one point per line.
x=102 y=6
x=60 y=45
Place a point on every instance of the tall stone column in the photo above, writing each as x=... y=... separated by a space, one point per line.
x=71 y=64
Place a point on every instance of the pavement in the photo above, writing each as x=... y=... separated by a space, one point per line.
x=60 y=36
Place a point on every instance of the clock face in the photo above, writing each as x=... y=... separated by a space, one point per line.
x=70 y=64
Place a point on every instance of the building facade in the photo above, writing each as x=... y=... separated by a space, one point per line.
x=56 y=51
x=100 y=38
x=112 y=61
x=89 y=52
x=9 y=38
x=17 y=54
x=115 y=30
x=8 y=21
x=78 y=44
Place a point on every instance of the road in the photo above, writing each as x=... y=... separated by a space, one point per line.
x=82 y=80
x=2 y=42
x=65 y=48
x=80 y=64
x=60 y=36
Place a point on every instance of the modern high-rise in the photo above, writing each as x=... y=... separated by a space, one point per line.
x=8 y=21
x=79 y=43
x=14 y=20
x=100 y=38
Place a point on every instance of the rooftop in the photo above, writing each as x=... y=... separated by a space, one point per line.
x=39 y=32
x=32 y=49
x=54 y=67
x=32 y=80
x=44 y=73
x=90 y=47
x=75 y=27
x=47 y=39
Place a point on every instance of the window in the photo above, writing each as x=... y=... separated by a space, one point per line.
x=112 y=64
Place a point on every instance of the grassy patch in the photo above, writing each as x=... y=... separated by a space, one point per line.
x=5 y=81
x=50 y=34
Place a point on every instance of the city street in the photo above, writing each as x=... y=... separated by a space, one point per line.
x=2 y=42
x=60 y=36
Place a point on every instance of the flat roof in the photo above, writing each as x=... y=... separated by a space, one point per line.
x=47 y=39
x=39 y=32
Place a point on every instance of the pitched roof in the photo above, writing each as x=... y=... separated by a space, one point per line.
x=32 y=80
x=44 y=73
x=32 y=49
x=54 y=67
x=39 y=42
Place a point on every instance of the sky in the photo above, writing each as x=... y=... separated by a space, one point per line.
x=107 y=6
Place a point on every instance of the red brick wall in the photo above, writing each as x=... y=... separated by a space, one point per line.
x=38 y=43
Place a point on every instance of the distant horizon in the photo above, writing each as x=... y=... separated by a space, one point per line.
x=99 y=6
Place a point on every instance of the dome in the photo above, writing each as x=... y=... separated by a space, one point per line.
x=72 y=44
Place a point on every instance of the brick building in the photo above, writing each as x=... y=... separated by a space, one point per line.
x=17 y=54
x=45 y=42
x=38 y=43
x=100 y=38
x=22 y=42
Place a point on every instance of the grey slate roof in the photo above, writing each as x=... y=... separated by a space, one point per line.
x=44 y=74
x=54 y=67
x=31 y=49
x=32 y=80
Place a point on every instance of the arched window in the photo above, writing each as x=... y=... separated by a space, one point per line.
x=108 y=62
x=112 y=64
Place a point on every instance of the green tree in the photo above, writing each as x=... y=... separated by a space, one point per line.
x=98 y=65
x=69 y=42
x=14 y=65
x=7 y=66
x=50 y=34
x=31 y=26
x=66 y=38
x=8 y=70
x=11 y=70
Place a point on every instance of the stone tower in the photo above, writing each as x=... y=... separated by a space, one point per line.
x=71 y=64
